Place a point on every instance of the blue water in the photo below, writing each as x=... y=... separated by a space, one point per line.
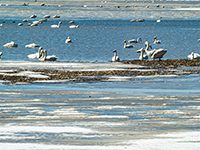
x=96 y=39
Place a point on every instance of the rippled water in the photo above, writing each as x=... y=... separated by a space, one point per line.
x=96 y=39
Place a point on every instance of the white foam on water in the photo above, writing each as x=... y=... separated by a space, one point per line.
x=107 y=116
x=47 y=129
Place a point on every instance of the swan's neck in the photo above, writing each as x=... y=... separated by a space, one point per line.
x=142 y=53
x=192 y=56
x=45 y=55
x=147 y=48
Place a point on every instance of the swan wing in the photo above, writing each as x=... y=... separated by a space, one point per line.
x=159 y=53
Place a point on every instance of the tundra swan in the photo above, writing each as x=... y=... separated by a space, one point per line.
x=11 y=44
x=126 y=45
x=142 y=56
x=139 y=40
x=44 y=56
x=68 y=40
x=156 y=41
x=156 y=53
x=1 y=53
x=36 y=55
x=56 y=26
x=193 y=56
x=32 y=45
x=74 y=26
x=115 y=57
x=159 y=20
x=33 y=16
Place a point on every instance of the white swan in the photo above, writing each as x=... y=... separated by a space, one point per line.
x=194 y=56
x=74 y=26
x=47 y=16
x=139 y=40
x=126 y=45
x=56 y=16
x=1 y=53
x=115 y=57
x=20 y=24
x=33 y=16
x=11 y=44
x=156 y=41
x=156 y=53
x=36 y=55
x=142 y=56
x=56 y=26
x=159 y=20
x=44 y=56
x=68 y=40
x=33 y=45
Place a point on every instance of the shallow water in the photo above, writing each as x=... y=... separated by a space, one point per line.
x=119 y=113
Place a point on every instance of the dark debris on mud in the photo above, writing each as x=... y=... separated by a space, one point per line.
x=164 y=67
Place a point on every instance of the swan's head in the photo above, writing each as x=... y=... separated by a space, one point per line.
x=114 y=51
x=146 y=43
x=139 y=40
x=60 y=22
x=155 y=37
x=124 y=41
x=40 y=48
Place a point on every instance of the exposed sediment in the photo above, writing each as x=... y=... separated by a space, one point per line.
x=164 y=67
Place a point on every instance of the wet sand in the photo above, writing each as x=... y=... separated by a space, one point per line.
x=164 y=67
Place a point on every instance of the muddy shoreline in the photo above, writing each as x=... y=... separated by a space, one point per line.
x=154 y=68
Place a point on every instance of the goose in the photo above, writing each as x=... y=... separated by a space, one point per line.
x=156 y=41
x=115 y=57
x=68 y=40
x=36 y=55
x=74 y=26
x=44 y=56
x=194 y=56
x=11 y=44
x=32 y=45
x=159 y=20
x=156 y=53
x=56 y=26
x=139 y=40
x=127 y=46
x=142 y=56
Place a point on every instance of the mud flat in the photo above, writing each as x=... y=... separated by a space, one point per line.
x=135 y=68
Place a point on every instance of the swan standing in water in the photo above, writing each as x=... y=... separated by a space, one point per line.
x=115 y=57
x=156 y=53
x=156 y=41
x=11 y=44
x=142 y=56
x=126 y=45
x=33 y=45
x=44 y=56
x=56 y=26
x=194 y=56
x=139 y=40
x=36 y=55
x=68 y=40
